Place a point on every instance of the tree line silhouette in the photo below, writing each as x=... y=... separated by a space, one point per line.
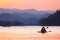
x=10 y=23
x=52 y=20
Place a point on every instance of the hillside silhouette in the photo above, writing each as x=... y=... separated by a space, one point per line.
x=52 y=20
x=25 y=17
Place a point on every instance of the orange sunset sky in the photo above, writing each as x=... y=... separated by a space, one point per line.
x=31 y=4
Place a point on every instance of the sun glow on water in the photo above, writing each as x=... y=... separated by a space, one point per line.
x=28 y=33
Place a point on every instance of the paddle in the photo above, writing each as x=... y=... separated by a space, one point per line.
x=41 y=32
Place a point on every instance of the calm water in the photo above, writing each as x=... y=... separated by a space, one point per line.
x=29 y=33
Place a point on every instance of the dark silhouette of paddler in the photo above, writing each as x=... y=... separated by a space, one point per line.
x=43 y=30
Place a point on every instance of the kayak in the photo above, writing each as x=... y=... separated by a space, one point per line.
x=41 y=32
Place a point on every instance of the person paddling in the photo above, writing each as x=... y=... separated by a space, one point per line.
x=43 y=30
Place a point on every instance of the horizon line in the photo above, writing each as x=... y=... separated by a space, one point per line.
x=31 y=9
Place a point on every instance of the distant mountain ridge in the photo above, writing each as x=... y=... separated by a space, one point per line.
x=27 y=17
x=2 y=10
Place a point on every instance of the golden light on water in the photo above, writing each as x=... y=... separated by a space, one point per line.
x=28 y=33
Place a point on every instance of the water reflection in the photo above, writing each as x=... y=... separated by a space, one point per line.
x=29 y=33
